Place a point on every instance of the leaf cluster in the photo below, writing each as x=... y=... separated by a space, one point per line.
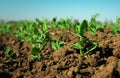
x=80 y=30
x=116 y=27
x=57 y=44
x=36 y=33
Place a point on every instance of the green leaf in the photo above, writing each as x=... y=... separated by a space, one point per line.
x=91 y=48
x=83 y=27
x=54 y=46
x=61 y=43
x=80 y=29
x=93 y=29
x=93 y=26
x=78 y=45
x=57 y=44
x=35 y=53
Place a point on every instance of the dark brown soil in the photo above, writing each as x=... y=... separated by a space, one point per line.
x=65 y=62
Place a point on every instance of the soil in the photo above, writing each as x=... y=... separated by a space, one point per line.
x=65 y=62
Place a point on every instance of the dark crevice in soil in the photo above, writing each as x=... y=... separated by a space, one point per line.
x=5 y=75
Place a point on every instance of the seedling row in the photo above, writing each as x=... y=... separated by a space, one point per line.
x=38 y=34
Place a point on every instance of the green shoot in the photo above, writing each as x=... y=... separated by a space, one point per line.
x=93 y=27
x=9 y=52
x=54 y=22
x=80 y=30
x=116 y=27
x=79 y=46
x=91 y=48
x=5 y=28
x=36 y=33
x=65 y=23
x=35 y=53
x=57 y=44
x=88 y=50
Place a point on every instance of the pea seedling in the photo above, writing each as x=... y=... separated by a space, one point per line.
x=57 y=44
x=80 y=30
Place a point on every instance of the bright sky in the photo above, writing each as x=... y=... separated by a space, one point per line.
x=78 y=9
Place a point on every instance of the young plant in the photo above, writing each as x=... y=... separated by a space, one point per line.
x=88 y=49
x=64 y=23
x=54 y=22
x=9 y=52
x=36 y=33
x=81 y=28
x=93 y=26
x=5 y=28
x=116 y=27
x=35 y=53
x=81 y=45
x=57 y=44
x=39 y=39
